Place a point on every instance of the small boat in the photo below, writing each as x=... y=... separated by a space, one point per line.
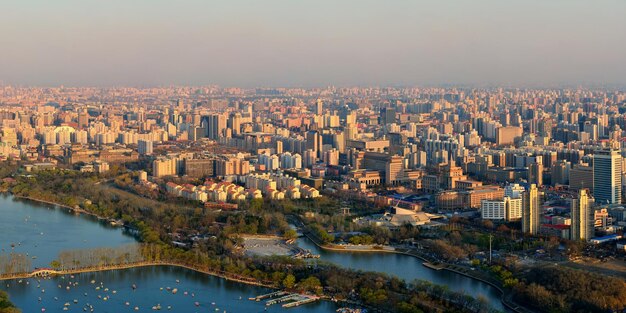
x=197 y=303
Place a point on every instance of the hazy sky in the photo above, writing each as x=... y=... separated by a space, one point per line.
x=312 y=42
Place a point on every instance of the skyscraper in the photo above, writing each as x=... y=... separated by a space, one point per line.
x=535 y=173
x=235 y=123
x=531 y=210
x=582 y=220
x=215 y=124
x=607 y=176
x=319 y=109
x=314 y=142
x=387 y=116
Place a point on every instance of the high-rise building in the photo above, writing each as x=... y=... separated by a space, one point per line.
x=506 y=209
x=582 y=218
x=83 y=119
x=535 y=173
x=145 y=147
x=508 y=134
x=607 y=176
x=215 y=125
x=387 y=116
x=164 y=167
x=235 y=123
x=531 y=210
x=560 y=172
x=319 y=109
x=580 y=177
x=314 y=142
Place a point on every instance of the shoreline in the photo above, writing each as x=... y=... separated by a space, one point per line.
x=74 y=210
x=131 y=266
x=187 y=267
x=442 y=266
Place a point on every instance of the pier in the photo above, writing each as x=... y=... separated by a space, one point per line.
x=300 y=302
x=269 y=295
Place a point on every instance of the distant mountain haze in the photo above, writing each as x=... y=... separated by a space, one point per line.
x=308 y=43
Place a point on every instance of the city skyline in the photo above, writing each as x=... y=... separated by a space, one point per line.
x=276 y=44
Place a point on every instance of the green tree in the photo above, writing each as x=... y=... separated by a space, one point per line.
x=289 y=281
x=312 y=284
x=55 y=264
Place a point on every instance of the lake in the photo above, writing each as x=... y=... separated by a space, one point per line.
x=43 y=230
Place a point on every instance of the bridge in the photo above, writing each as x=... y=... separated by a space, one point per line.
x=44 y=272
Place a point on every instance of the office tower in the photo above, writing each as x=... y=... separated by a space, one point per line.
x=319 y=108
x=235 y=123
x=607 y=176
x=145 y=147
x=582 y=221
x=387 y=116
x=314 y=143
x=215 y=125
x=535 y=173
x=531 y=210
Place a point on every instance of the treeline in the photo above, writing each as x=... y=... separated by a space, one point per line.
x=14 y=263
x=5 y=305
x=94 y=257
x=557 y=289
x=321 y=234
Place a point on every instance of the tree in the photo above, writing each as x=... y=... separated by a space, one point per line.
x=289 y=281
x=311 y=284
x=55 y=264
x=5 y=305
x=290 y=234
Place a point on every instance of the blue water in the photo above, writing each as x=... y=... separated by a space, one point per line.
x=43 y=231
x=407 y=268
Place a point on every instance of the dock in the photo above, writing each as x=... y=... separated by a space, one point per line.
x=300 y=302
x=282 y=299
x=269 y=295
